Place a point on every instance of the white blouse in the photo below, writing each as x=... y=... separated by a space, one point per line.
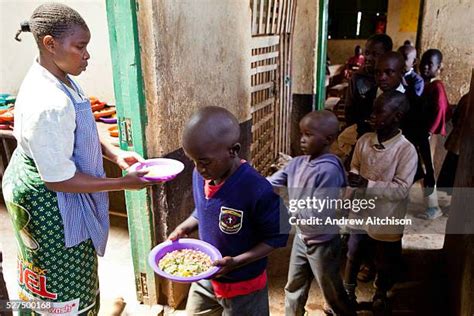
x=45 y=121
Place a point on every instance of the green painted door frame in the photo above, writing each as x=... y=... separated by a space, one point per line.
x=131 y=112
x=320 y=73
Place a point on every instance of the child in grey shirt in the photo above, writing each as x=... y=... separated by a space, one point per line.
x=313 y=178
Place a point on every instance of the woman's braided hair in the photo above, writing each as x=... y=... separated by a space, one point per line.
x=53 y=19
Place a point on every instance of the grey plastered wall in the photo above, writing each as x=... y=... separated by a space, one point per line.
x=303 y=65
x=304 y=46
x=446 y=26
x=194 y=54
x=197 y=53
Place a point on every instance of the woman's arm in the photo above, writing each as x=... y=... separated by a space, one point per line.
x=108 y=150
x=124 y=159
x=83 y=183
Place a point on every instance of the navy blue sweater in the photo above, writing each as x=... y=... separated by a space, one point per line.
x=414 y=82
x=243 y=213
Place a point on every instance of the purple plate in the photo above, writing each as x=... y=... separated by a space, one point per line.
x=108 y=120
x=166 y=169
x=162 y=249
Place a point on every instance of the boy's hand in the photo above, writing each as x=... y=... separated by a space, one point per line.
x=185 y=228
x=226 y=264
x=177 y=234
x=356 y=180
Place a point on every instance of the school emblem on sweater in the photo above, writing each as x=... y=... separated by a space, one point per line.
x=230 y=220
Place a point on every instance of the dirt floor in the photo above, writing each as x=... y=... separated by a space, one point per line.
x=420 y=291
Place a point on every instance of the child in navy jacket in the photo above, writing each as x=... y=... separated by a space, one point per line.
x=236 y=210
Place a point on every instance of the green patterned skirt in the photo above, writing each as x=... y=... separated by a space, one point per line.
x=47 y=270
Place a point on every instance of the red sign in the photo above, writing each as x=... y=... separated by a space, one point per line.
x=35 y=280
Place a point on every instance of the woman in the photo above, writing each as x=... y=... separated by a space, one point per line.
x=55 y=185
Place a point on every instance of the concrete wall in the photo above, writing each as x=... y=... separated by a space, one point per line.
x=194 y=54
x=304 y=52
x=304 y=46
x=340 y=50
x=402 y=21
x=16 y=57
x=446 y=27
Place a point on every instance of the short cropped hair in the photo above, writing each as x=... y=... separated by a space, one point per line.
x=384 y=39
x=398 y=100
x=433 y=52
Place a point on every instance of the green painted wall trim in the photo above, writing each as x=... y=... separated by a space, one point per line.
x=320 y=72
x=131 y=112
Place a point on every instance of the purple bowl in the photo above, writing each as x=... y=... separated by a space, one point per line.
x=162 y=249
x=170 y=168
x=108 y=120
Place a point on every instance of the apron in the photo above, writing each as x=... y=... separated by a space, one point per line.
x=47 y=270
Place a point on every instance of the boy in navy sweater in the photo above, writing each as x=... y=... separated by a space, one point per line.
x=236 y=210
x=316 y=248
x=413 y=81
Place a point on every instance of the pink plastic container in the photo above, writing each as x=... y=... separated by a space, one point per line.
x=162 y=249
x=169 y=168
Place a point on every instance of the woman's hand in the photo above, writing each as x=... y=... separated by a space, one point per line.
x=132 y=180
x=125 y=159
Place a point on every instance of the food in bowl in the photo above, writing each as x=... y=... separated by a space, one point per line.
x=157 y=171
x=185 y=262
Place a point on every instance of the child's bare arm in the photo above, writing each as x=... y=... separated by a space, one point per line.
x=185 y=228
x=228 y=263
x=279 y=178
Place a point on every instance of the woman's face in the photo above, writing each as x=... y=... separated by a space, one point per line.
x=69 y=52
